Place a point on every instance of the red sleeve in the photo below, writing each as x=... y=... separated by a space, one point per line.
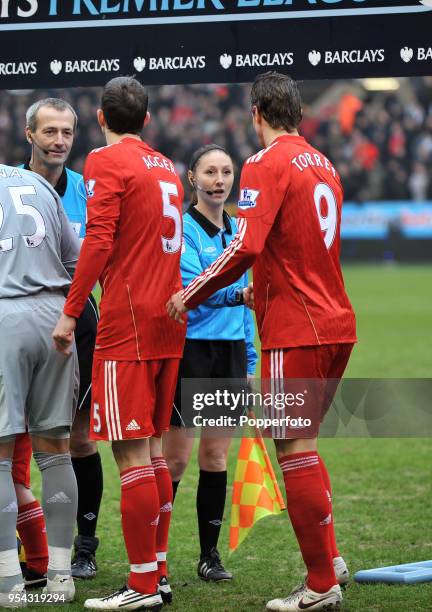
x=259 y=203
x=105 y=187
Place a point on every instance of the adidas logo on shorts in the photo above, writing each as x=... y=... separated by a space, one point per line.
x=327 y=520
x=133 y=426
x=59 y=498
x=166 y=507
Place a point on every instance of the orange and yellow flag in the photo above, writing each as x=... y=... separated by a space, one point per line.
x=255 y=491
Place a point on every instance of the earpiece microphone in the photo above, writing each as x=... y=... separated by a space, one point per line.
x=33 y=141
x=207 y=191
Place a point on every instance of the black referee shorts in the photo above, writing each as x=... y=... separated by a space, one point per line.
x=85 y=338
x=209 y=359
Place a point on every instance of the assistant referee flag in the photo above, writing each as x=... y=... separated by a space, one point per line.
x=255 y=490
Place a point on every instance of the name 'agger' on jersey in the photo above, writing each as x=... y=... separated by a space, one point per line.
x=133 y=246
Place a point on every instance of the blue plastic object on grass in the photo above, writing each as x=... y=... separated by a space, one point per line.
x=408 y=573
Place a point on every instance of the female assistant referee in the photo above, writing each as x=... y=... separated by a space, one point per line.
x=219 y=344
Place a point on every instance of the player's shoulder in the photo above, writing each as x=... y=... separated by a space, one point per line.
x=263 y=157
x=21 y=172
x=106 y=161
x=36 y=178
x=109 y=150
x=44 y=188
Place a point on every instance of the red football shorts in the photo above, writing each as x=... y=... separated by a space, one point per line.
x=21 y=459
x=132 y=399
x=302 y=382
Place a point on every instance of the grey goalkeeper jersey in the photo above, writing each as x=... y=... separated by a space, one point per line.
x=38 y=247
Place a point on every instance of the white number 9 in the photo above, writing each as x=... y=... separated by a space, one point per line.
x=328 y=223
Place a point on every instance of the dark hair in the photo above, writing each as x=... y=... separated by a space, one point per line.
x=278 y=100
x=196 y=156
x=124 y=105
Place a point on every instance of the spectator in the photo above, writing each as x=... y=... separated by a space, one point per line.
x=419 y=182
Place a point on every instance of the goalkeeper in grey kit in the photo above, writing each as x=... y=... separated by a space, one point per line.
x=38 y=386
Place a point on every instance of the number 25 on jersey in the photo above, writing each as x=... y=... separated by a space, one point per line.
x=30 y=240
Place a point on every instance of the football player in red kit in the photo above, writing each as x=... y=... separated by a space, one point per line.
x=289 y=230
x=132 y=246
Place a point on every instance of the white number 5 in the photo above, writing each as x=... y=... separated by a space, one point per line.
x=97 y=425
x=328 y=223
x=171 y=245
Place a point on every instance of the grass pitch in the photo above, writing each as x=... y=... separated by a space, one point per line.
x=381 y=488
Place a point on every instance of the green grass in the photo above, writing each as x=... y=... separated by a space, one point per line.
x=393 y=306
x=382 y=488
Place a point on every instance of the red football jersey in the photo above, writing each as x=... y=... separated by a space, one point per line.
x=289 y=228
x=132 y=246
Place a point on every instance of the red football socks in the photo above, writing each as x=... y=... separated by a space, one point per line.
x=310 y=512
x=327 y=484
x=140 y=517
x=165 y=489
x=32 y=532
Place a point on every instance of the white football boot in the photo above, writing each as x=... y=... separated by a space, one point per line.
x=16 y=598
x=60 y=585
x=303 y=598
x=126 y=599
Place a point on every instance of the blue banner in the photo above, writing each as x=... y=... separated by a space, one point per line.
x=376 y=220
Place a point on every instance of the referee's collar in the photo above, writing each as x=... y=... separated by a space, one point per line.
x=61 y=185
x=210 y=228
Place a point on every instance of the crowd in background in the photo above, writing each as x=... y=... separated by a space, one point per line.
x=380 y=141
